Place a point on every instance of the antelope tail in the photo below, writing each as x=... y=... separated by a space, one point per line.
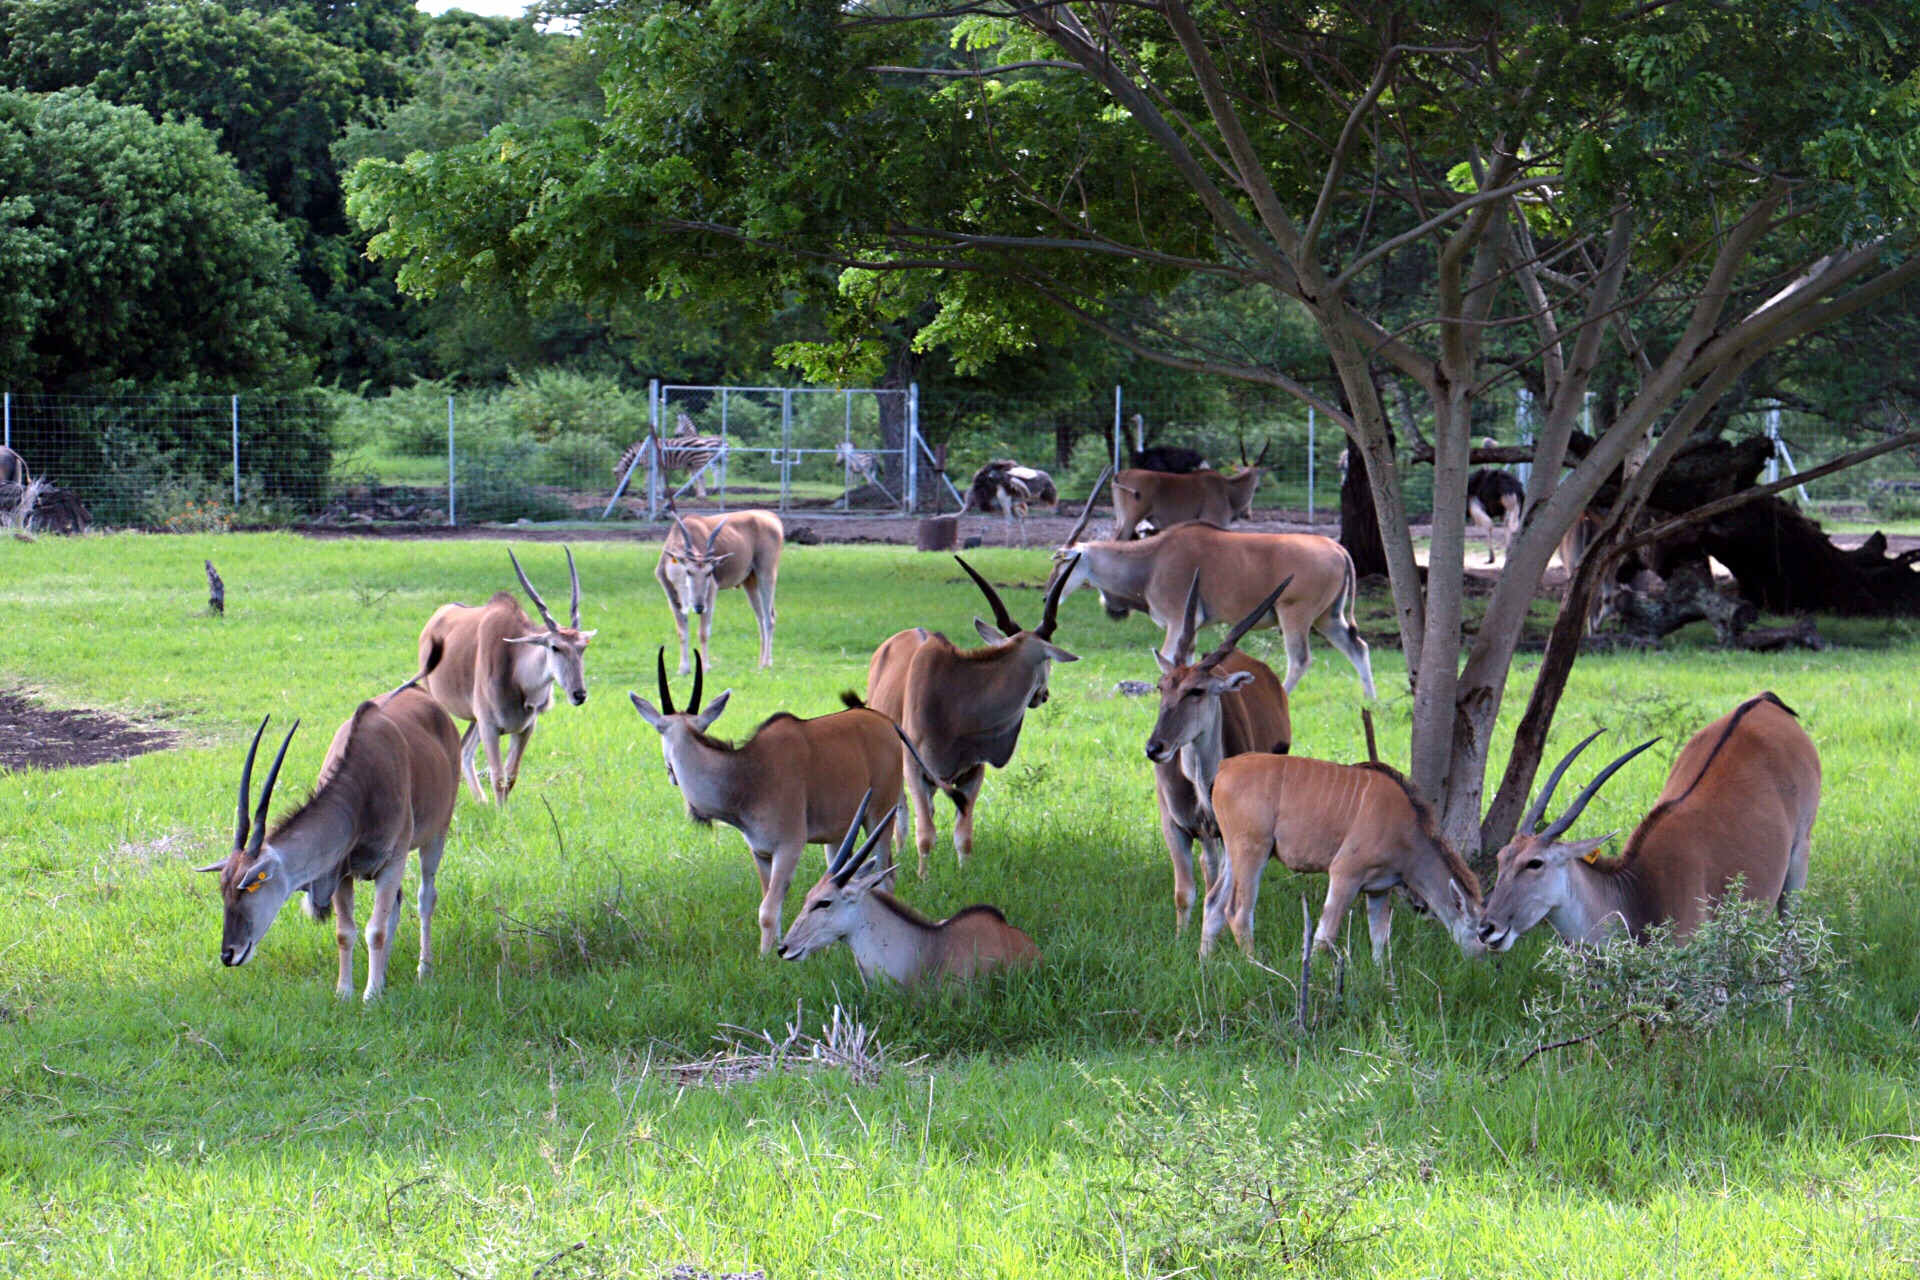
x=435 y=652
x=852 y=701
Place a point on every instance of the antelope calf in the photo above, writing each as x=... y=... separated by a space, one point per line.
x=1362 y=824
x=792 y=783
x=491 y=666
x=1154 y=575
x=1740 y=801
x=1222 y=706
x=387 y=786
x=704 y=555
x=960 y=710
x=889 y=937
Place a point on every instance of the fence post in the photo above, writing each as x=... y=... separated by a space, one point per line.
x=1309 y=464
x=1523 y=429
x=1773 y=436
x=8 y=441
x=786 y=444
x=236 y=451
x=913 y=447
x=1118 y=439
x=653 y=449
x=451 y=514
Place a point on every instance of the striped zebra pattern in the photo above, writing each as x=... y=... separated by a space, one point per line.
x=684 y=451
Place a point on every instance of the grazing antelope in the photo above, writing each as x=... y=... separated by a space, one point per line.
x=1154 y=575
x=960 y=710
x=13 y=468
x=1222 y=706
x=1164 y=499
x=1491 y=490
x=387 y=785
x=1740 y=801
x=1005 y=486
x=704 y=555
x=1362 y=824
x=790 y=784
x=491 y=666
x=889 y=937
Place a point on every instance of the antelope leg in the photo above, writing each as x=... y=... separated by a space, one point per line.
x=966 y=794
x=1341 y=891
x=380 y=923
x=469 y=745
x=922 y=798
x=343 y=935
x=1299 y=655
x=785 y=862
x=429 y=867
x=680 y=626
x=517 y=749
x=760 y=596
x=706 y=630
x=1180 y=850
x=1380 y=925
x=496 y=770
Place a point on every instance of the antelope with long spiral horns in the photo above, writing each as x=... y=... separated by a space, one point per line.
x=705 y=555
x=1224 y=705
x=492 y=667
x=1739 y=804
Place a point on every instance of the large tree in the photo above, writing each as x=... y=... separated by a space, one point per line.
x=1457 y=194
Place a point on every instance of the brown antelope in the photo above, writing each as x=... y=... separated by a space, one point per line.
x=1164 y=499
x=493 y=667
x=704 y=555
x=387 y=786
x=889 y=937
x=1362 y=824
x=1153 y=575
x=1222 y=706
x=1740 y=801
x=960 y=710
x=792 y=783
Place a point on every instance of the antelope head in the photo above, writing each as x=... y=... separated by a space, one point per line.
x=1034 y=647
x=1190 y=691
x=678 y=728
x=691 y=567
x=1535 y=872
x=254 y=883
x=564 y=648
x=832 y=909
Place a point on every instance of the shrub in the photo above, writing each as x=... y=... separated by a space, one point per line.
x=1894 y=500
x=557 y=402
x=579 y=460
x=493 y=478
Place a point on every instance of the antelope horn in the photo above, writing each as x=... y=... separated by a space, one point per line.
x=1050 y=612
x=242 y=830
x=574 y=574
x=1565 y=820
x=1531 y=823
x=666 y=691
x=1245 y=625
x=859 y=859
x=699 y=674
x=715 y=535
x=538 y=603
x=1262 y=457
x=840 y=855
x=686 y=535
x=1086 y=513
x=259 y=835
x=1001 y=617
x=1189 y=623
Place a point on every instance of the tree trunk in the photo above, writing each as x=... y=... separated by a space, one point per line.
x=1063 y=441
x=1359 y=524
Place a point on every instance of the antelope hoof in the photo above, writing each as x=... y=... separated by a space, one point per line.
x=344 y=993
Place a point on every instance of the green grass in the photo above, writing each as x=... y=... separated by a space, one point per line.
x=162 y=1116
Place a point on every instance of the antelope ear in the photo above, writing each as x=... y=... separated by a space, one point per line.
x=712 y=713
x=1586 y=850
x=1228 y=683
x=213 y=866
x=648 y=711
x=588 y=635
x=1166 y=664
x=1055 y=652
x=540 y=640
x=988 y=632
x=1460 y=899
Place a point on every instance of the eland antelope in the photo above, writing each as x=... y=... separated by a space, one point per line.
x=1154 y=575
x=704 y=555
x=1361 y=824
x=889 y=937
x=1164 y=499
x=1224 y=705
x=1740 y=801
x=387 y=786
x=491 y=666
x=960 y=710
x=792 y=783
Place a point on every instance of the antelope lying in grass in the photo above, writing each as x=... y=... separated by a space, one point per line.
x=388 y=785
x=493 y=667
x=889 y=937
x=1739 y=802
x=1164 y=499
x=792 y=783
x=1362 y=824
x=960 y=710
x=1222 y=706
x=1154 y=575
x=704 y=555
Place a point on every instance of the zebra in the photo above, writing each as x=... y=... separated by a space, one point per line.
x=685 y=450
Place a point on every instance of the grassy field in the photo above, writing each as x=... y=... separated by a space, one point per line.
x=161 y=1116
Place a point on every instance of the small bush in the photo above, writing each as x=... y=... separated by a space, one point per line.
x=1090 y=455
x=558 y=402
x=578 y=460
x=494 y=482
x=1892 y=500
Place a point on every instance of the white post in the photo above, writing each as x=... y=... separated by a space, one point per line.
x=726 y=450
x=1523 y=430
x=236 y=451
x=913 y=447
x=846 y=480
x=1118 y=438
x=8 y=441
x=1309 y=464
x=653 y=449
x=452 y=515
x=1773 y=436
x=786 y=444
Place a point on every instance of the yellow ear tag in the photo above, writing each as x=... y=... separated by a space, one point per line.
x=1591 y=858
x=254 y=887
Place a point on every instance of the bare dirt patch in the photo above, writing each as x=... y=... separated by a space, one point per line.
x=36 y=737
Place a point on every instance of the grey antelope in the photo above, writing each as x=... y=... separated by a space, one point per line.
x=1224 y=705
x=1154 y=575
x=1739 y=802
x=790 y=784
x=491 y=666
x=889 y=937
x=960 y=710
x=1164 y=499
x=387 y=786
x=1361 y=824
x=705 y=555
